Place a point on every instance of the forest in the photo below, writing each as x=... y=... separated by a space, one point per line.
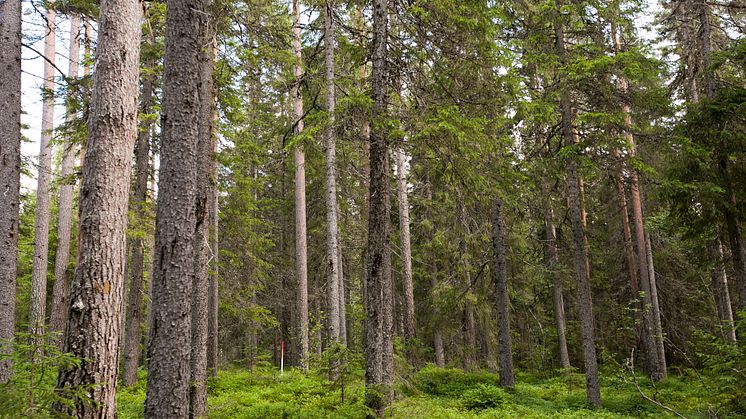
x=372 y=208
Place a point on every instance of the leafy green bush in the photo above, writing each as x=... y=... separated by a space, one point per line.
x=484 y=396
x=451 y=382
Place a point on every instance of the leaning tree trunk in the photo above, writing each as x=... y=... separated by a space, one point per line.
x=332 y=233
x=721 y=292
x=133 y=329
x=170 y=337
x=500 y=278
x=44 y=171
x=406 y=246
x=93 y=328
x=10 y=172
x=58 y=315
x=200 y=284
x=301 y=248
x=655 y=309
x=580 y=245
x=557 y=295
x=378 y=275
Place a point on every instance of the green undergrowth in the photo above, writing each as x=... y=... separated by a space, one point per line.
x=445 y=393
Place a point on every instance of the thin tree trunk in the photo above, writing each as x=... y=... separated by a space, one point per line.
x=93 y=328
x=133 y=329
x=61 y=290
x=629 y=250
x=721 y=291
x=301 y=248
x=406 y=246
x=332 y=284
x=500 y=278
x=658 y=328
x=170 y=338
x=557 y=295
x=200 y=284
x=577 y=221
x=342 y=289
x=44 y=171
x=10 y=173
x=654 y=366
x=378 y=276
x=213 y=299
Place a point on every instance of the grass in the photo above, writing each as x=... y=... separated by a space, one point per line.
x=441 y=393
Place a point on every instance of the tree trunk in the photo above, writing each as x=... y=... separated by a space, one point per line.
x=93 y=328
x=658 y=328
x=378 y=275
x=200 y=284
x=301 y=248
x=170 y=337
x=577 y=222
x=10 y=172
x=44 y=171
x=342 y=290
x=332 y=233
x=557 y=295
x=213 y=299
x=500 y=278
x=133 y=329
x=406 y=246
x=654 y=366
x=61 y=290
x=721 y=292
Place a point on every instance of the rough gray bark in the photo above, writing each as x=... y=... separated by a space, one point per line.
x=655 y=309
x=38 y=303
x=301 y=247
x=330 y=139
x=378 y=275
x=721 y=292
x=212 y=322
x=133 y=329
x=557 y=294
x=406 y=245
x=10 y=170
x=580 y=245
x=200 y=285
x=61 y=290
x=93 y=328
x=500 y=278
x=170 y=337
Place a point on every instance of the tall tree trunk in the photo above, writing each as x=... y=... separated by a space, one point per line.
x=342 y=289
x=301 y=248
x=658 y=328
x=721 y=291
x=500 y=278
x=557 y=295
x=330 y=137
x=654 y=366
x=44 y=171
x=440 y=359
x=577 y=221
x=93 y=328
x=378 y=276
x=10 y=172
x=61 y=290
x=212 y=322
x=133 y=328
x=406 y=246
x=170 y=338
x=200 y=284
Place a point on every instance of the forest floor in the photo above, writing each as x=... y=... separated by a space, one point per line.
x=445 y=393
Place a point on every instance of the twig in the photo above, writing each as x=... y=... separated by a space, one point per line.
x=631 y=366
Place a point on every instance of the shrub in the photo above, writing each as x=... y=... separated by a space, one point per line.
x=484 y=396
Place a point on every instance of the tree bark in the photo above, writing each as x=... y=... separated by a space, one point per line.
x=10 y=172
x=133 y=328
x=378 y=276
x=170 y=338
x=557 y=295
x=301 y=248
x=406 y=246
x=93 y=328
x=332 y=233
x=500 y=278
x=580 y=245
x=658 y=328
x=721 y=292
x=213 y=299
x=200 y=284
x=44 y=172
x=61 y=290
x=342 y=289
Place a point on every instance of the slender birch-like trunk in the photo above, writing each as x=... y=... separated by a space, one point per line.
x=409 y=328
